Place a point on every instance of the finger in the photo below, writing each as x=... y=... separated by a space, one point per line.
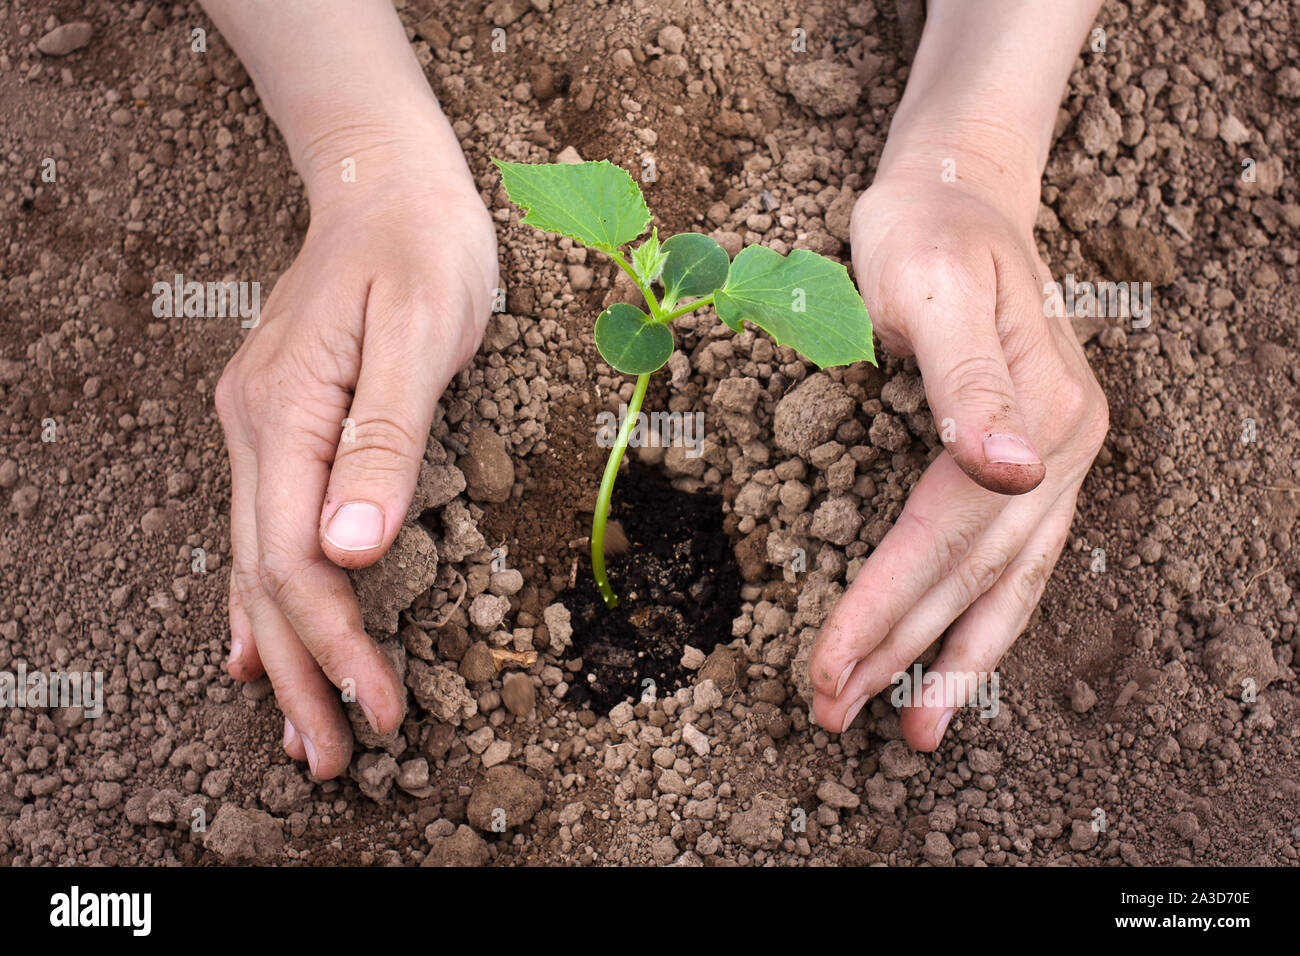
x=981 y=637
x=977 y=571
x=973 y=398
x=314 y=594
x=305 y=696
x=384 y=435
x=292 y=742
x=942 y=519
x=244 y=664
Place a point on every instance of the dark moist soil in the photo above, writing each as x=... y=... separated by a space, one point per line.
x=676 y=584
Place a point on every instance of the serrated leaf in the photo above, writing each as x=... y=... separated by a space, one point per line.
x=648 y=259
x=696 y=265
x=598 y=204
x=803 y=300
x=632 y=342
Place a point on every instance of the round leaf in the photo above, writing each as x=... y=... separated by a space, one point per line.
x=696 y=265
x=630 y=341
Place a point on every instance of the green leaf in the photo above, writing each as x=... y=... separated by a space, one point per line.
x=696 y=266
x=631 y=341
x=648 y=259
x=805 y=301
x=598 y=204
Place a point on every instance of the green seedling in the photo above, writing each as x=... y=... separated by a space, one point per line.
x=802 y=300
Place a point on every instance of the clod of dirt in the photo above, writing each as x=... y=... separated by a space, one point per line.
x=390 y=585
x=284 y=790
x=762 y=825
x=437 y=485
x=477 y=666
x=725 y=667
x=809 y=414
x=1240 y=654
x=464 y=847
x=393 y=742
x=441 y=691
x=66 y=38
x=1133 y=255
x=375 y=774
x=824 y=86
x=489 y=470
x=244 y=836
x=518 y=694
x=504 y=788
x=1082 y=697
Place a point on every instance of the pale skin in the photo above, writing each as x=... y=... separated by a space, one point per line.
x=391 y=291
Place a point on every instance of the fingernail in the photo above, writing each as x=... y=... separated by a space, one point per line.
x=1009 y=450
x=236 y=648
x=852 y=712
x=311 y=755
x=943 y=725
x=844 y=677
x=356 y=526
x=289 y=733
x=370 y=716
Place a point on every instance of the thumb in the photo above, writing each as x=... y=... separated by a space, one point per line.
x=381 y=446
x=973 y=398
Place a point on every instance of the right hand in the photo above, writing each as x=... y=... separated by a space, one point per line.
x=385 y=302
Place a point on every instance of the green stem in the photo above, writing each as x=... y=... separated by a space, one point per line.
x=607 y=492
x=688 y=307
x=646 y=292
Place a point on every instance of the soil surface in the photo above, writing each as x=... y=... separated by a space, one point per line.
x=1124 y=696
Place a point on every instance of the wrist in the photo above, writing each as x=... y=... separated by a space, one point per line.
x=359 y=152
x=983 y=157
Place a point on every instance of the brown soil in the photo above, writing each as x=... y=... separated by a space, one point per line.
x=1124 y=693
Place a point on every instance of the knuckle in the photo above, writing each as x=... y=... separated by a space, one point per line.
x=248 y=583
x=1082 y=406
x=1027 y=579
x=938 y=258
x=948 y=543
x=978 y=572
x=1098 y=423
x=383 y=443
x=335 y=660
x=226 y=396
x=1074 y=399
x=980 y=379
x=254 y=389
x=277 y=574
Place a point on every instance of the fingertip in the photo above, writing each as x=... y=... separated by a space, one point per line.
x=352 y=535
x=1004 y=478
x=385 y=714
x=1008 y=465
x=327 y=762
x=244 y=663
x=924 y=727
x=292 y=742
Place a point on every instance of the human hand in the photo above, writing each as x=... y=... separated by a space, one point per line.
x=386 y=300
x=951 y=275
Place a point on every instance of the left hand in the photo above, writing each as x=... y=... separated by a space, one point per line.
x=950 y=277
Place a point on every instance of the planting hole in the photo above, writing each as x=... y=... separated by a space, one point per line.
x=677 y=584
